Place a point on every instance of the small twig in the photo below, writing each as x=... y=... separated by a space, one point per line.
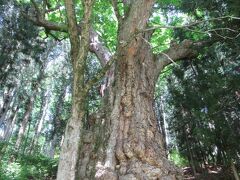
x=55 y=37
x=226 y=37
x=208 y=32
x=219 y=29
x=189 y=25
x=169 y=58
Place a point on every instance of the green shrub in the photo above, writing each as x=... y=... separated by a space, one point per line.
x=178 y=159
x=28 y=167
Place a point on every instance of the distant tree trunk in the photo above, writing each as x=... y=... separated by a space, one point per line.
x=7 y=100
x=235 y=173
x=24 y=144
x=161 y=120
x=190 y=156
x=57 y=123
x=24 y=122
x=10 y=123
x=8 y=131
x=40 y=121
x=52 y=146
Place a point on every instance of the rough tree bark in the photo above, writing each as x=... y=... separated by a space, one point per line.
x=125 y=143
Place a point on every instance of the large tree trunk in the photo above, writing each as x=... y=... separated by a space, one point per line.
x=135 y=149
x=126 y=143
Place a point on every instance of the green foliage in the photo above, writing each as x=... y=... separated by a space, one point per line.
x=161 y=39
x=168 y=3
x=204 y=107
x=177 y=158
x=105 y=23
x=28 y=167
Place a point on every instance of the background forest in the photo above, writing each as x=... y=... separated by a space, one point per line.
x=197 y=101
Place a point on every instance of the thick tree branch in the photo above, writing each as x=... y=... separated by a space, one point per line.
x=186 y=49
x=137 y=18
x=98 y=48
x=46 y=24
x=72 y=26
x=39 y=19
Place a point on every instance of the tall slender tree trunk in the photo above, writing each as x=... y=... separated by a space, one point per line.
x=52 y=146
x=69 y=157
x=190 y=155
x=10 y=123
x=40 y=121
x=56 y=134
x=25 y=121
x=8 y=98
x=161 y=120
x=8 y=131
